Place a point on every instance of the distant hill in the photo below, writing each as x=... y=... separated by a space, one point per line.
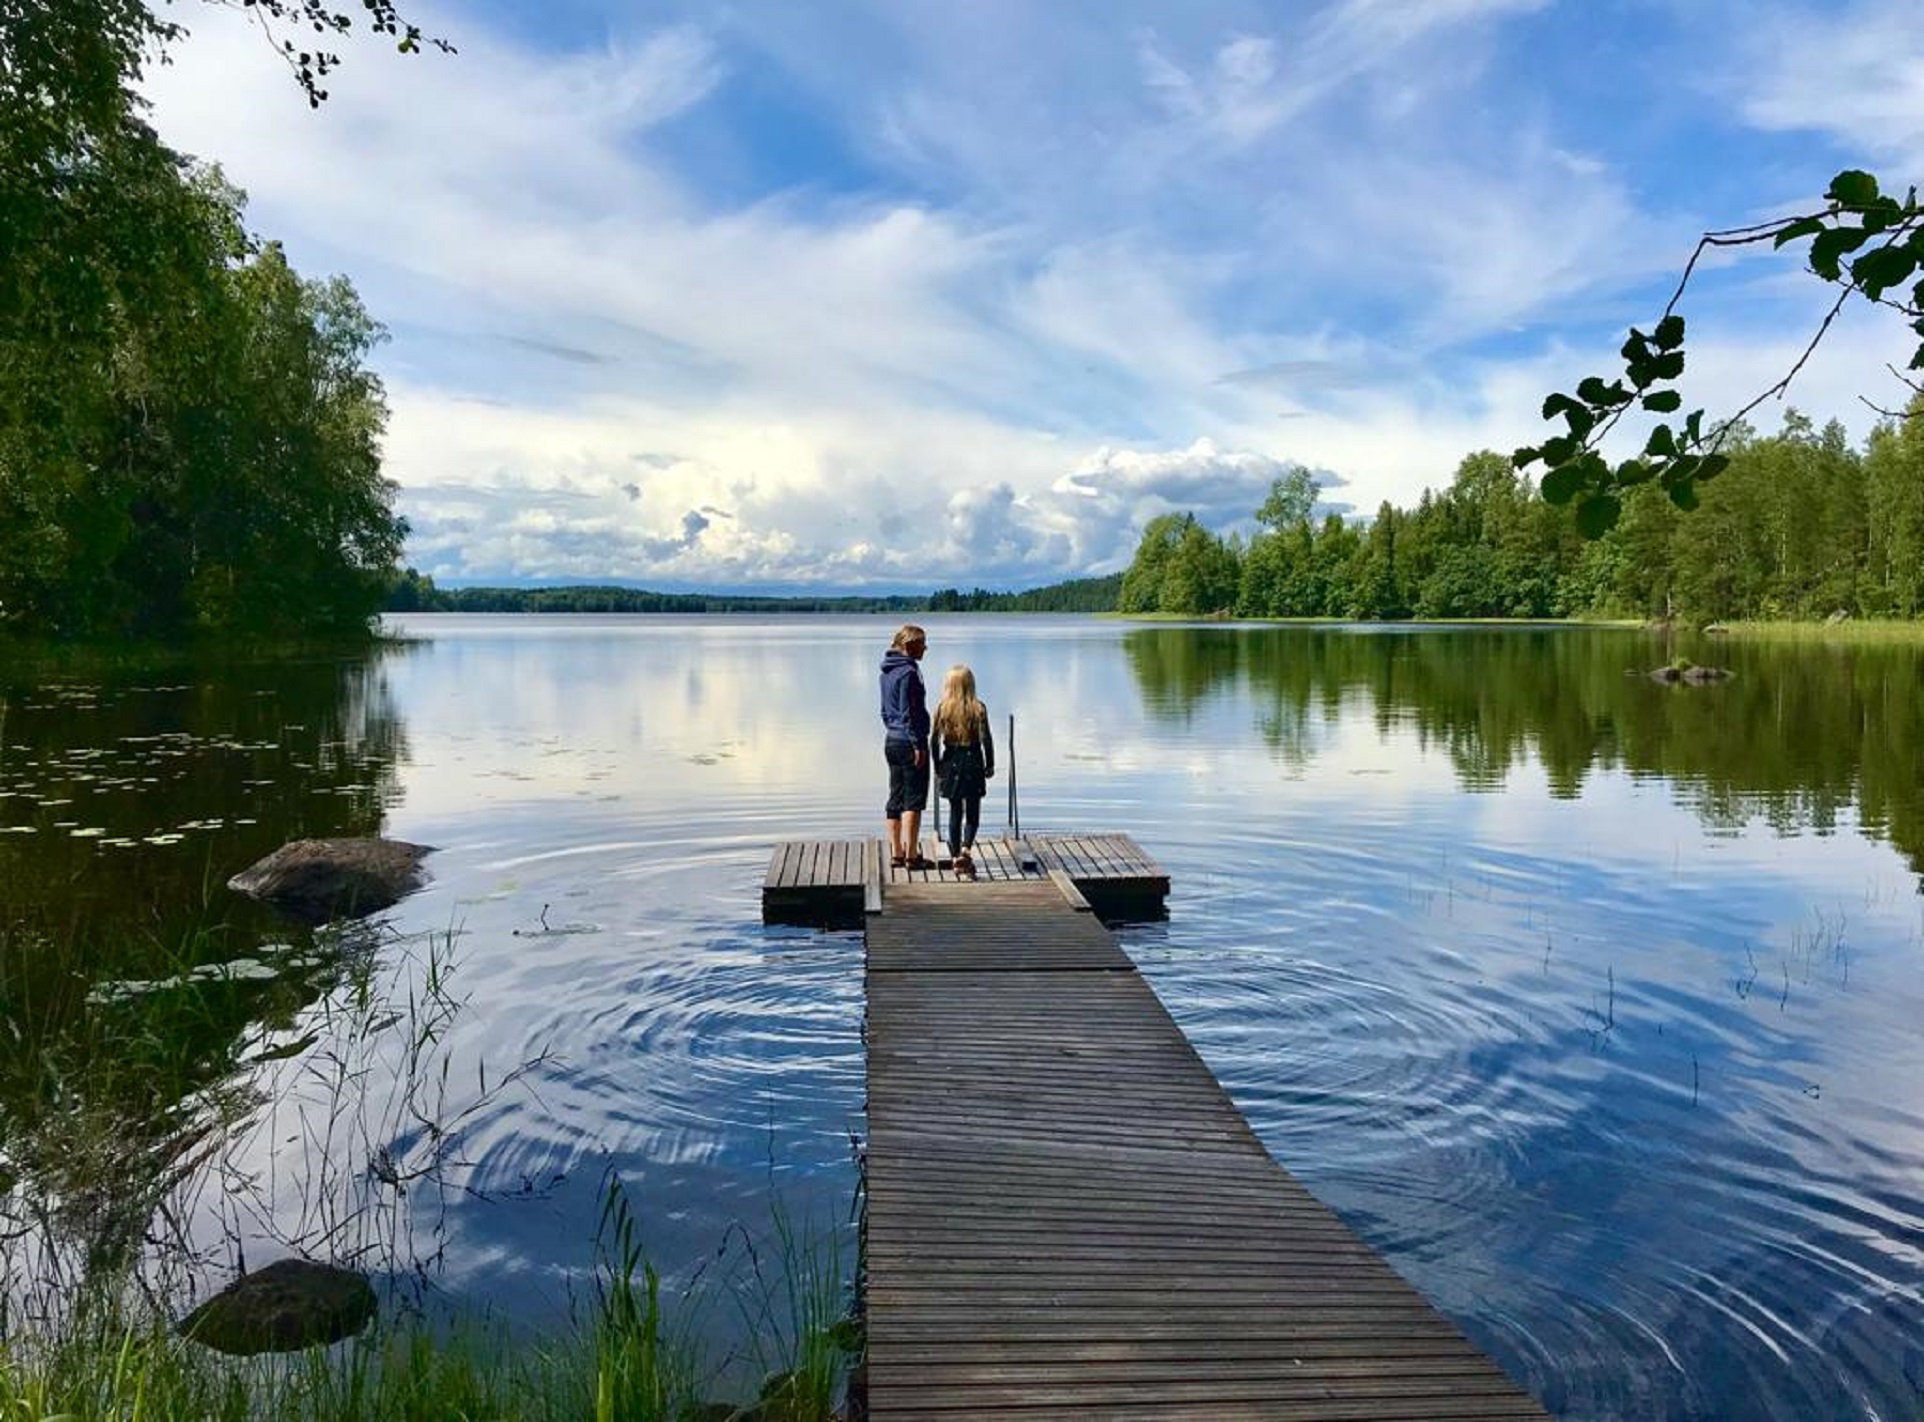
x=415 y=592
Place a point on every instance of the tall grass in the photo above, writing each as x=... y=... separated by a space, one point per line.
x=134 y=1142
x=1868 y=631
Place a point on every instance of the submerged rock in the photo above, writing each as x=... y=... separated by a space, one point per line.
x=1692 y=675
x=290 y=1304
x=321 y=879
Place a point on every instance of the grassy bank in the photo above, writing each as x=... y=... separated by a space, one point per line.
x=1867 y=631
x=631 y=1359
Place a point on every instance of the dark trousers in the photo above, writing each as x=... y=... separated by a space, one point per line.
x=963 y=808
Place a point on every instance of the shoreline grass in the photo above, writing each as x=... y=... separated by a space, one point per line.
x=1864 y=631
x=89 y=1296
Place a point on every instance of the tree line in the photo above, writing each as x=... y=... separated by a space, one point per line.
x=414 y=591
x=1798 y=525
x=189 y=431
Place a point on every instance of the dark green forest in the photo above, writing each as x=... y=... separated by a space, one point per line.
x=1800 y=525
x=189 y=431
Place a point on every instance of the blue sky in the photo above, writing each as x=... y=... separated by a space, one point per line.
x=915 y=294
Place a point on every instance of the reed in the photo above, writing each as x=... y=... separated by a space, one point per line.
x=1868 y=631
x=140 y=1101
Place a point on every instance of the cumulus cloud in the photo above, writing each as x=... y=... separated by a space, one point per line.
x=1018 y=287
x=1112 y=493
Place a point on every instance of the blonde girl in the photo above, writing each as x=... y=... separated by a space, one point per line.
x=964 y=755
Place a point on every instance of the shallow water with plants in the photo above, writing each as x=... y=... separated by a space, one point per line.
x=1590 y=1001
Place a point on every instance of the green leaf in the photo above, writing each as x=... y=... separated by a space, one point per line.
x=1663 y=402
x=1579 y=416
x=1681 y=470
x=1592 y=390
x=1881 y=269
x=1853 y=188
x=1662 y=442
x=1669 y=365
x=1560 y=450
x=1683 y=494
x=1561 y=484
x=1881 y=215
x=1827 y=252
x=1525 y=457
x=1713 y=465
x=1598 y=514
x=1802 y=227
x=1670 y=332
x=1693 y=427
x=1636 y=348
x=1633 y=472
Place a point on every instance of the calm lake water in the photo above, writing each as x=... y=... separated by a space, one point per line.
x=1593 y=1003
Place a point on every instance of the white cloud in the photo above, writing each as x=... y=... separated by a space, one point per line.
x=1854 y=72
x=1065 y=272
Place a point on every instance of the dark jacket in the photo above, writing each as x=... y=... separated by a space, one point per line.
x=905 y=703
x=963 y=768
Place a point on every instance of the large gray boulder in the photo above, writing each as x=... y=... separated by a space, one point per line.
x=321 y=879
x=290 y=1304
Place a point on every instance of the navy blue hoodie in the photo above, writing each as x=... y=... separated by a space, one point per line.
x=905 y=704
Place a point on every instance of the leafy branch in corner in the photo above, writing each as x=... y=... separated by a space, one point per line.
x=1887 y=237
x=312 y=66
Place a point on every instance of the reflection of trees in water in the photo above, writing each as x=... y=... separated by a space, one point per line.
x=1798 y=739
x=177 y=775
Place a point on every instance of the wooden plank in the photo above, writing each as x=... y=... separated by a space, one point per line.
x=1071 y=895
x=1068 y=1217
x=874 y=866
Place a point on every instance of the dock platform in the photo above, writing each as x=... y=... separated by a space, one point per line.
x=836 y=882
x=1066 y=1215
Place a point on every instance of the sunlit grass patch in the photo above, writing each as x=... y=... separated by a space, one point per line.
x=1868 y=631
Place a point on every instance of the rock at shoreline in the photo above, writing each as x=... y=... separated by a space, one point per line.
x=321 y=879
x=290 y=1304
x=1692 y=676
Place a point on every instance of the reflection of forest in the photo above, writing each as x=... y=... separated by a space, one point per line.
x=1799 y=736
x=128 y=796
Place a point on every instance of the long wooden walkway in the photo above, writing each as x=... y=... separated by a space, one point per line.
x=1067 y=1218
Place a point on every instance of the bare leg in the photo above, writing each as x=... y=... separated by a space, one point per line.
x=912 y=832
x=895 y=839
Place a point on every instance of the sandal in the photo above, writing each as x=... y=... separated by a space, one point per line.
x=898 y=861
x=918 y=862
x=964 y=867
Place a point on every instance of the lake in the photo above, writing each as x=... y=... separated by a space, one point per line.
x=1593 y=1003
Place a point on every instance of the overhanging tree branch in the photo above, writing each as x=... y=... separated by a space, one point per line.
x=1681 y=457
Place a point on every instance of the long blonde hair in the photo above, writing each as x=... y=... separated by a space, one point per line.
x=959 y=715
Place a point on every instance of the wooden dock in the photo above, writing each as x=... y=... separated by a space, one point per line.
x=1067 y=1217
x=836 y=882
